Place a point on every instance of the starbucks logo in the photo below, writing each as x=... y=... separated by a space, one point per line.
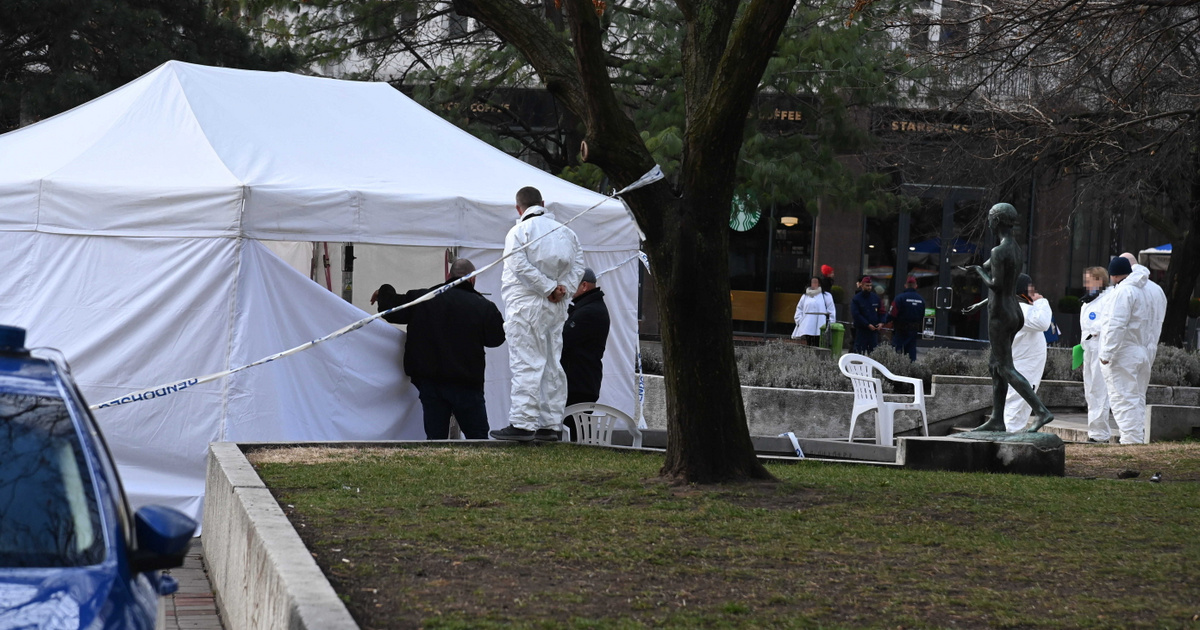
x=744 y=212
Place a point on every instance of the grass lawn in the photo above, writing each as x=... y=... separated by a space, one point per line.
x=550 y=536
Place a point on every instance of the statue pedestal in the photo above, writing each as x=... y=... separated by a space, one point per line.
x=987 y=451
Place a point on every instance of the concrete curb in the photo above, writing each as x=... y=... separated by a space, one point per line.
x=262 y=574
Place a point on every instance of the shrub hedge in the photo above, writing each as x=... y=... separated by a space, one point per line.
x=790 y=365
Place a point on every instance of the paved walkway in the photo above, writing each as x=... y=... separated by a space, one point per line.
x=192 y=606
x=1072 y=427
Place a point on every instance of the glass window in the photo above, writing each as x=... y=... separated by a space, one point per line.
x=790 y=267
x=48 y=510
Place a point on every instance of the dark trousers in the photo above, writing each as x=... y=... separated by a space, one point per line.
x=865 y=340
x=905 y=342
x=440 y=399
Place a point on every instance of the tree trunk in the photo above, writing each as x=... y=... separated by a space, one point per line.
x=687 y=229
x=1184 y=267
x=707 y=437
x=1182 y=274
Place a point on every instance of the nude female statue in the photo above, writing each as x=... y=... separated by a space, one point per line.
x=1000 y=273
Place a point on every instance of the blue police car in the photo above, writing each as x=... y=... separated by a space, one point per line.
x=72 y=555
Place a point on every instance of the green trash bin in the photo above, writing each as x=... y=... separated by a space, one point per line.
x=833 y=338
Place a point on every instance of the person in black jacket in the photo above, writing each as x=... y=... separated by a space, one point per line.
x=864 y=310
x=443 y=353
x=906 y=315
x=584 y=337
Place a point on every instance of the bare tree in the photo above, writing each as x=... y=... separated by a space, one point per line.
x=1107 y=92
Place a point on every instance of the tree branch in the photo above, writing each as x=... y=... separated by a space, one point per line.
x=613 y=141
x=538 y=43
x=1165 y=226
x=716 y=116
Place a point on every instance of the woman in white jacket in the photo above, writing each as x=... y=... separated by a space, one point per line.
x=813 y=311
x=1028 y=351
x=1095 y=281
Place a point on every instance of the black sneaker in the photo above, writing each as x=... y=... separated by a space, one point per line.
x=1095 y=441
x=546 y=435
x=512 y=433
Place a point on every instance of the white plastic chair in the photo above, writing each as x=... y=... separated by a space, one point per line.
x=868 y=395
x=594 y=424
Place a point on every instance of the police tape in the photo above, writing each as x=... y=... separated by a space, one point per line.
x=640 y=375
x=928 y=336
x=174 y=387
x=638 y=256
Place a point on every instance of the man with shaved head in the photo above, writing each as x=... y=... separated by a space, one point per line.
x=443 y=352
x=543 y=265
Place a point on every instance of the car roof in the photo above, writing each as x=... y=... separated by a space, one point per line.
x=23 y=374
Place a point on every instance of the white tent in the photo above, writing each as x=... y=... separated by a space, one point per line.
x=1156 y=258
x=131 y=233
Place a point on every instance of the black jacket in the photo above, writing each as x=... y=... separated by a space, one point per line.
x=864 y=309
x=908 y=309
x=584 y=337
x=446 y=335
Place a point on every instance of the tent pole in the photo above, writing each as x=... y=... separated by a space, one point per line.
x=348 y=272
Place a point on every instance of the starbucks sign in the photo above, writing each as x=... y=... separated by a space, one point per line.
x=744 y=212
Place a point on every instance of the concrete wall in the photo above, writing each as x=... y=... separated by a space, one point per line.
x=1171 y=422
x=825 y=414
x=954 y=401
x=261 y=572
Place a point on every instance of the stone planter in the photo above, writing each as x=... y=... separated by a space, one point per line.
x=954 y=401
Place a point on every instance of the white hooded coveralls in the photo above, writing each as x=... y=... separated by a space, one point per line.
x=1158 y=312
x=1094 y=390
x=1029 y=358
x=812 y=312
x=1128 y=340
x=533 y=324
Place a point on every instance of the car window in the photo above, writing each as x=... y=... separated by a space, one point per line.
x=107 y=470
x=48 y=513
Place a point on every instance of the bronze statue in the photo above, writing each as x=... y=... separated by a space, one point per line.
x=1000 y=273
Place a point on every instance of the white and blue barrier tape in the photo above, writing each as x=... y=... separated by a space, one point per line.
x=795 y=443
x=167 y=389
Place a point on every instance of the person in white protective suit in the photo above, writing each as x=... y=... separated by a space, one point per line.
x=1028 y=351
x=1128 y=336
x=1158 y=310
x=536 y=285
x=1095 y=281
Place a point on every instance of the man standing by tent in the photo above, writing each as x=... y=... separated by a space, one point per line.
x=543 y=265
x=443 y=353
x=584 y=337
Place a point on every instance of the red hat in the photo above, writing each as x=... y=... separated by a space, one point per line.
x=911 y=280
x=826 y=270
x=867 y=279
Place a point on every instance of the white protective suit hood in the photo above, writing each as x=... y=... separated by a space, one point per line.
x=1029 y=358
x=1128 y=340
x=1126 y=316
x=552 y=260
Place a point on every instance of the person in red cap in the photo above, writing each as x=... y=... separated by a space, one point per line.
x=827 y=279
x=906 y=313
